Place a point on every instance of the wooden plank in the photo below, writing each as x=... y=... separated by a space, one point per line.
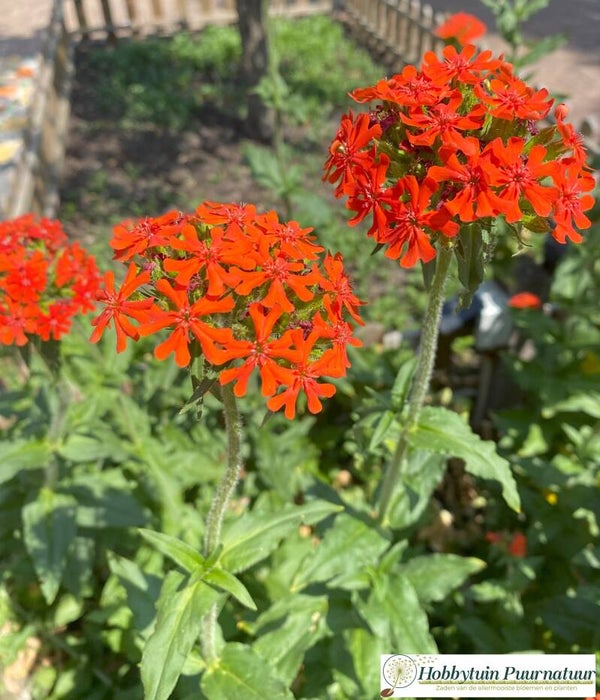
x=132 y=14
x=81 y=18
x=157 y=12
x=108 y=19
x=182 y=13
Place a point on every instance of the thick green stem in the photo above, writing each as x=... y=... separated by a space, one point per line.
x=214 y=521
x=422 y=379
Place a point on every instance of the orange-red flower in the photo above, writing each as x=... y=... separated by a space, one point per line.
x=305 y=376
x=44 y=280
x=463 y=27
x=525 y=300
x=519 y=175
x=184 y=318
x=242 y=289
x=442 y=121
x=413 y=220
x=119 y=309
x=260 y=353
x=571 y=202
x=345 y=156
x=471 y=196
x=457 y=141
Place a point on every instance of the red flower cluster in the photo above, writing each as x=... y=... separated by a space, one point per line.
x=241 y=288
x=44 y=280
x=516 y=546
x=525 y=300
x=454 y=143
x=461 y=27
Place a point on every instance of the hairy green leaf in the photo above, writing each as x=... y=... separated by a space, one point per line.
x=443 y=431
x=349 y=545
x=49 y=527
x=228 y=582
x=436 y=575
x=241 y=673
x=180 y=552
x=255 y=535
x=178 y=624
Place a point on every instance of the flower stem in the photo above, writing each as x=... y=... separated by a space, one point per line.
x=214 y=521
x=422 y=378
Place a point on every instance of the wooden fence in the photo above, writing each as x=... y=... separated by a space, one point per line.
x=110 y=19
x=37 y=173
x=398 y=31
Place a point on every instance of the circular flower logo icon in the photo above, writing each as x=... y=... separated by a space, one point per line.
x=399 y=671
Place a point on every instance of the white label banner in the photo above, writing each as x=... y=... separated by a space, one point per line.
x=488 y=676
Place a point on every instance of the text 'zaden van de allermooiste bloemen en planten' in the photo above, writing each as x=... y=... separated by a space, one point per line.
x=447 y=149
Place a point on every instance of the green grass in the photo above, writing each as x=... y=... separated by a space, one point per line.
x=167 y=81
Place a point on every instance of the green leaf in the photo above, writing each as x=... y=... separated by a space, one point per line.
x=434 y=576
x=178 y=624
x=349 y=545
x=386 y=419
x=106 y=500
x=22 y=454
x=255 y=535
x=228 y=582
x=180 y=552
x=241 y=673
x=443 y=431
x=394 y=614
x=302 y=626
x=588 y=404
x=422 y=474
x=469 y=256
x=49 y=527
x=142 y=591
x=91 y=448
x=403 y=382
x=365 y=649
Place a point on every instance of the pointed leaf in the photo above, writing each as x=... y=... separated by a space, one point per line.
x=386 y=419
x=350 y=545
x=106 y=500
x=443 y=431
x=228 y=582
x=241 y=673
x=301 y=628
x=22 y=454
x=395 y=615
x=143 y=591
x=180 y=552
x=255 y=535
x=421 y=475
x=49 y=527
x=178 y=623
x=469 y=256
x=403 y=382
x=434 y=576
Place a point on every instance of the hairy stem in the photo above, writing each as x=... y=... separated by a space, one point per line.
x=214 y=522
x=422 y=378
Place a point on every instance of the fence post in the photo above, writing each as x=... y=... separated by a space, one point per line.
x=108 y=20
x=81 y=19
